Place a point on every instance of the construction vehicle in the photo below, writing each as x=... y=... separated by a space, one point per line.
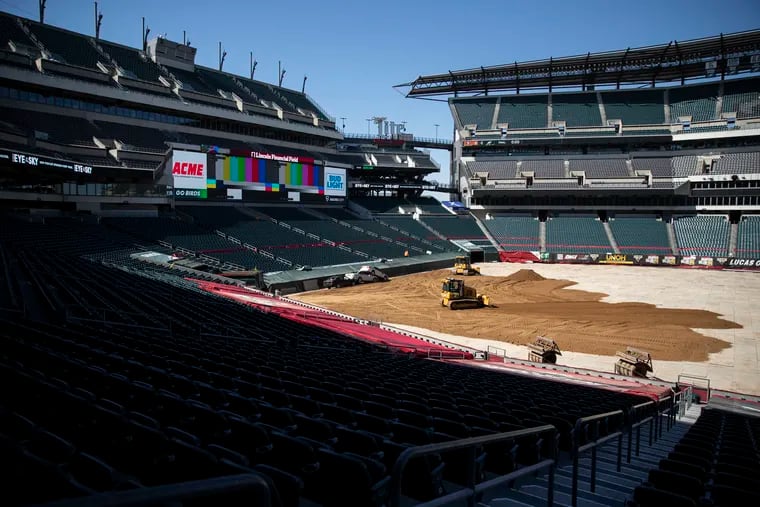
x=543 y=350
x=462 y=266
x=369 y=274
x=365 y=274
x=634 y=363
x=457 y=296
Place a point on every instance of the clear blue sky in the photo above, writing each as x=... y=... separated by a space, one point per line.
x=353 y=52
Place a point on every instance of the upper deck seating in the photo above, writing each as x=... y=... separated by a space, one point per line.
x=697 y=101
x=528 y=111
x=576 y=109
x=640 y=107
x=741 y=97
x=476 y=111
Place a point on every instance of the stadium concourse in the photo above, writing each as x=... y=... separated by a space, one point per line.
x=141 y=193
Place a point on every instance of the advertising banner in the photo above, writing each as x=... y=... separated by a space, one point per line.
x=576 y=258
x=187 y=193
x=189 y=170
x=277 y=157
x=750 y=264
x=33 y=161
x=686 y=261
x=335 y=181
x=645 y=259
x=616 y=259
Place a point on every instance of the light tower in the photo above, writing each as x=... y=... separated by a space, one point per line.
x=380 y=122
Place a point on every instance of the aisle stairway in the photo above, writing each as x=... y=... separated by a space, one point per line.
x=613 y=488
x=610 y=237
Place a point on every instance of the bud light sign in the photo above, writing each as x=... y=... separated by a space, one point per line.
x=335 y=181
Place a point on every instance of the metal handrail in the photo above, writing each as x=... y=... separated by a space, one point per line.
x=695 y=377
x=668 y=412
x=472 y=489
x=635 y=422
x=176 y=492
x=577 y=449
x=685 y=401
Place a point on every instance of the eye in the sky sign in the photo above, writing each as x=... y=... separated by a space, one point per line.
x=27 y=160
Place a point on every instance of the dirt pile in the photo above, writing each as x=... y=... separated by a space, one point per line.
x=527 y=305
x=524 y=275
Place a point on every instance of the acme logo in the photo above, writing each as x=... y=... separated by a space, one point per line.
x=187 y=169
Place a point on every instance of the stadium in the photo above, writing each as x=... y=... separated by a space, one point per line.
x=169 y=230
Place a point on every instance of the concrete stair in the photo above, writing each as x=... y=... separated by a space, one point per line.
x=733 y=239
x=487 y=233
x=612 y=488
x=542 y=236
x=610 y=237
x=672 y=237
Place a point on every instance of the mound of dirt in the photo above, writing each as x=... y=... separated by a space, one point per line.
x=577 y=320
x=524 y=275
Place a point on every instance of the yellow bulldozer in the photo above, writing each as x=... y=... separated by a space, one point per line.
x=457 y=296
x=462 y=266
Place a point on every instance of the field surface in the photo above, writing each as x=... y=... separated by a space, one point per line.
x=692 y=322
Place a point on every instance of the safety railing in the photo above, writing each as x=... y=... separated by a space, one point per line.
x=637 y=417
x=591 y=428
x=254 y=486
x=682 y=401
x=699 y=385
x=665 y=408
x=496 y=351
x=473 y=489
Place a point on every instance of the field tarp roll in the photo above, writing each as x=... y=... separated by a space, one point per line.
x=519 y=257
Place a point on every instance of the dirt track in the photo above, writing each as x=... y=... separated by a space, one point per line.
x=528 y=305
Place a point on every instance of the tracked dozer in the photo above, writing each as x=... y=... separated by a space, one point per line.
x=543 y=350
x=634 y=363
x=457 y=296
x=462 y=266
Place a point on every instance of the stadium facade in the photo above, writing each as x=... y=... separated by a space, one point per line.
x=101 y=119
x=140 y=192
x=638 y=145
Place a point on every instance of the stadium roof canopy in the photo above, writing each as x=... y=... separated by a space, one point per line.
x=675 y=61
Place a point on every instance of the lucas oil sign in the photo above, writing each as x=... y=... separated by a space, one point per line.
x=189 y=169
x=335 y=181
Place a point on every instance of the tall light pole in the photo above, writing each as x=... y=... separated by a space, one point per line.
x=344 y=122
x=436 y=130
x=369 y=120
x=98 y=21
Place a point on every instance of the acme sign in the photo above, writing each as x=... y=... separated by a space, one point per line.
x=189 y=169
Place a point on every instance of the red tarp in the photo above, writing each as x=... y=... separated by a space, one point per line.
x=519 y=257
x=312 y=317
